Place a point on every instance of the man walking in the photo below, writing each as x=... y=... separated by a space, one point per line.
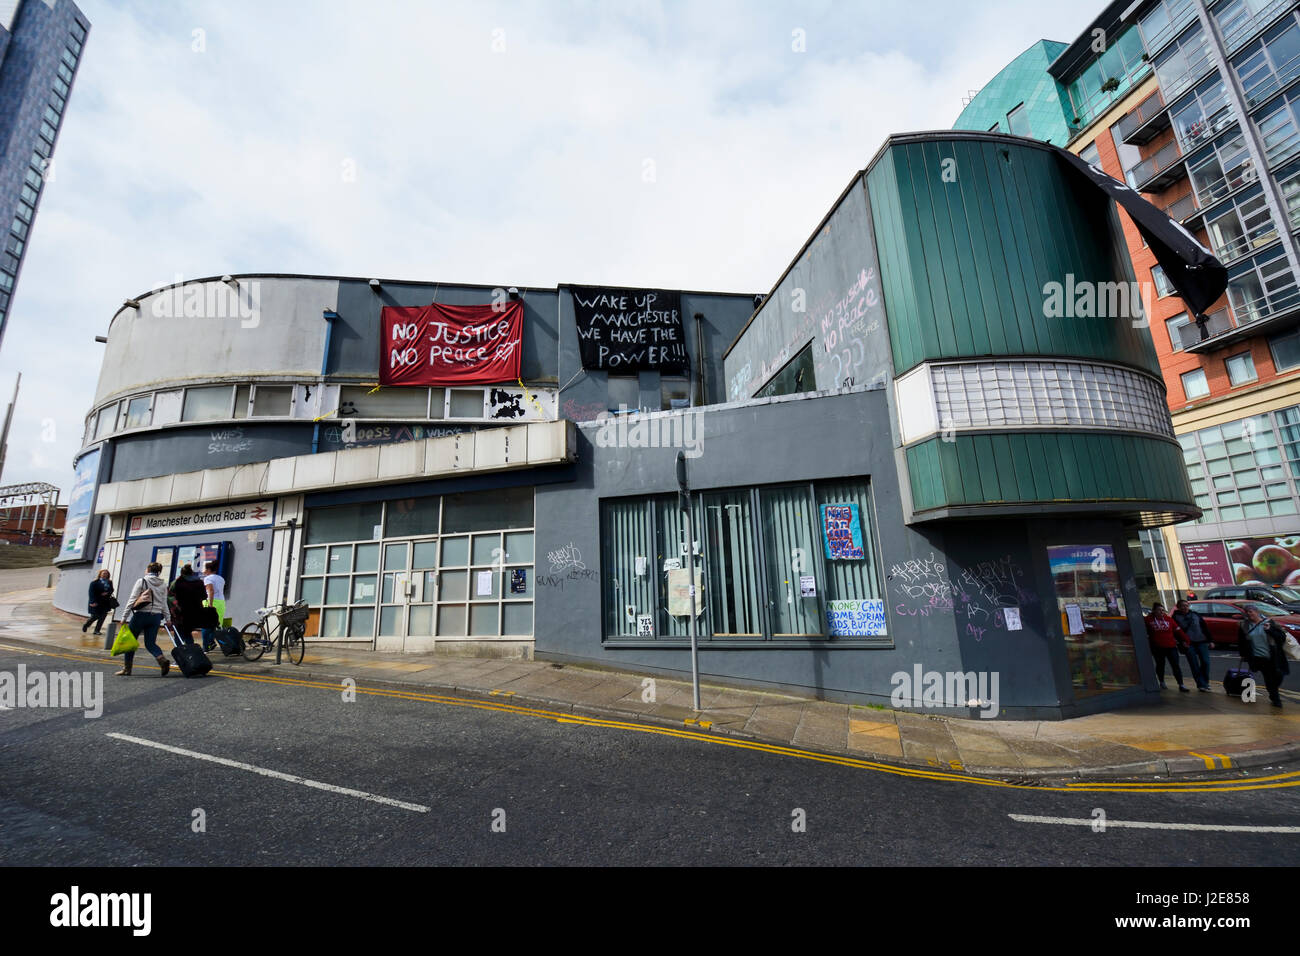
x=1198 y=643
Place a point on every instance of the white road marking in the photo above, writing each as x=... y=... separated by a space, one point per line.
x=1147 y=825
x=361 y=794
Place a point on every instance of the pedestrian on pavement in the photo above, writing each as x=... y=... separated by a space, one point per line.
x=1166 y=637
x=216 y=588
x=147 y=607
x=185 y=601
x=101 y=602
x=1198 y=643
x=1262 y=644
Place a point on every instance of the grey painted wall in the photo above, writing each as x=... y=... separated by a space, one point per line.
x=247 y=571
x=219 y=445
x=831 y=436
x=830 y=297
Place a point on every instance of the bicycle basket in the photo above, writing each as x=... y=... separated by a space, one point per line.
x=295 y=614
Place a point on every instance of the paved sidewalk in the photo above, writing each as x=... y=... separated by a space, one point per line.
x=1184 y=733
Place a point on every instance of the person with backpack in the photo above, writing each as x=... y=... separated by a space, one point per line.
x=147 y=610
x=1198 y=643
x=1262 y=646
x=215 y=585
x=185 y=599
x=1166 y=637
x=101 y=602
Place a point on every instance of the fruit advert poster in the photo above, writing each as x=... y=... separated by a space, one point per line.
x=1274 y=560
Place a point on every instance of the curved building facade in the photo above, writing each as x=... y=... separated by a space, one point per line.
x=914 y=466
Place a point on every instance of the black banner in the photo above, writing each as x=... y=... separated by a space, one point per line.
x=626 y=331
x=1196 y=275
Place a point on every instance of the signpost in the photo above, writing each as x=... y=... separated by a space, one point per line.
x=684 y=503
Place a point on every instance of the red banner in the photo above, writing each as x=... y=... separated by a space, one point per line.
x=451 y=344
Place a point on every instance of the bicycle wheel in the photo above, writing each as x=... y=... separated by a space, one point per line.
x=255 y=642
x=295 y=643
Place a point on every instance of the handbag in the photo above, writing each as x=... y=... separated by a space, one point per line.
x=112 y=603
x=1292 y=648
x=125 y=641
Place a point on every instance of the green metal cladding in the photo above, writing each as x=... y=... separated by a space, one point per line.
x=970 y=229
x=1020 y=468
x=1024 y=80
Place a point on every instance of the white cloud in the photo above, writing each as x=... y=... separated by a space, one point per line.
x=523 y=166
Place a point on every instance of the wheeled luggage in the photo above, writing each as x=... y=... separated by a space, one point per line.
x=188 y=657
x=1235 y=680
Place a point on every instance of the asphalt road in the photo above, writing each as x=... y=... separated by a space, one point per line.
x=570 y=793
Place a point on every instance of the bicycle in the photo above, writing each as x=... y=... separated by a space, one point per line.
x=289 y=630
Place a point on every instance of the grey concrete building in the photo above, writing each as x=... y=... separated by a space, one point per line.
x=912 y=485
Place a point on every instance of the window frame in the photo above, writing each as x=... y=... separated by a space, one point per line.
x=761 y=567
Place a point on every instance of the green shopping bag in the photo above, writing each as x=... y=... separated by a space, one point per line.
x=125 y=640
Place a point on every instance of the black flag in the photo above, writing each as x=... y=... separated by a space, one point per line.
x=1196 y=275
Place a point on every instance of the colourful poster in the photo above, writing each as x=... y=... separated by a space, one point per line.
x=843 y=532
x=76 y=524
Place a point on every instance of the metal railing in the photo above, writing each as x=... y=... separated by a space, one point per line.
x=1205 y=128
x=1239 y=29
x=1180 y=209
x=1152 y=166
x=1215 y=323
x=1140 y=115
x=1248 y=311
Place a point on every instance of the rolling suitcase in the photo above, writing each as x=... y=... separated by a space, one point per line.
x=188 y=657
x=1234 y=680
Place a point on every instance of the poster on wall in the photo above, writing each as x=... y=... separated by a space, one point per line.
x=451 y=344
x=1207 y=564
x=1093 y=618
x=76 y=525
x=842 y=530
x=679 y=592
x=626 y=331
x=855 y=618
x=1268 y=560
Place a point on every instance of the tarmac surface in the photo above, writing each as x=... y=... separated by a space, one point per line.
x=1191 y=733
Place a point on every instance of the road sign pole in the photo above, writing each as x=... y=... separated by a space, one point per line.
x=685 y=498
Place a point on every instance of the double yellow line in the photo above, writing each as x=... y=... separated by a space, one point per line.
x=560 y=717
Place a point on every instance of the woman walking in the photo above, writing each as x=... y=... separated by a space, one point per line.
x=1261 y=644
x=185 y=601
x=147 y=606
x=100 y=606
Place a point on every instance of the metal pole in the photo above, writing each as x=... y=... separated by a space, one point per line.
x=690 y=576
x=284 y=598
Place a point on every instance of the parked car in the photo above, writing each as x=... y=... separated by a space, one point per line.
x=1278 y=595
x=1223 y=617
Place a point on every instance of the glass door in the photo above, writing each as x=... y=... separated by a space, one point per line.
x=408 y=595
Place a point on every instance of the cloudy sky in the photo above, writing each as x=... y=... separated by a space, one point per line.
x=678 y=145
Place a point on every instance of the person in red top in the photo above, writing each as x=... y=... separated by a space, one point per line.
x=1166 y=638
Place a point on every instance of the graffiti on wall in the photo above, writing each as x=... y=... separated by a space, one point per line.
x=976 y=594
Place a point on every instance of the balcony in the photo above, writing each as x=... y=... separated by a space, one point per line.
x=1159 y=171
x=1205 y=129
x=1240 y=25
x=1216 y=323
x=1180 y=209
x=1140 y=125
x=1266 y=313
